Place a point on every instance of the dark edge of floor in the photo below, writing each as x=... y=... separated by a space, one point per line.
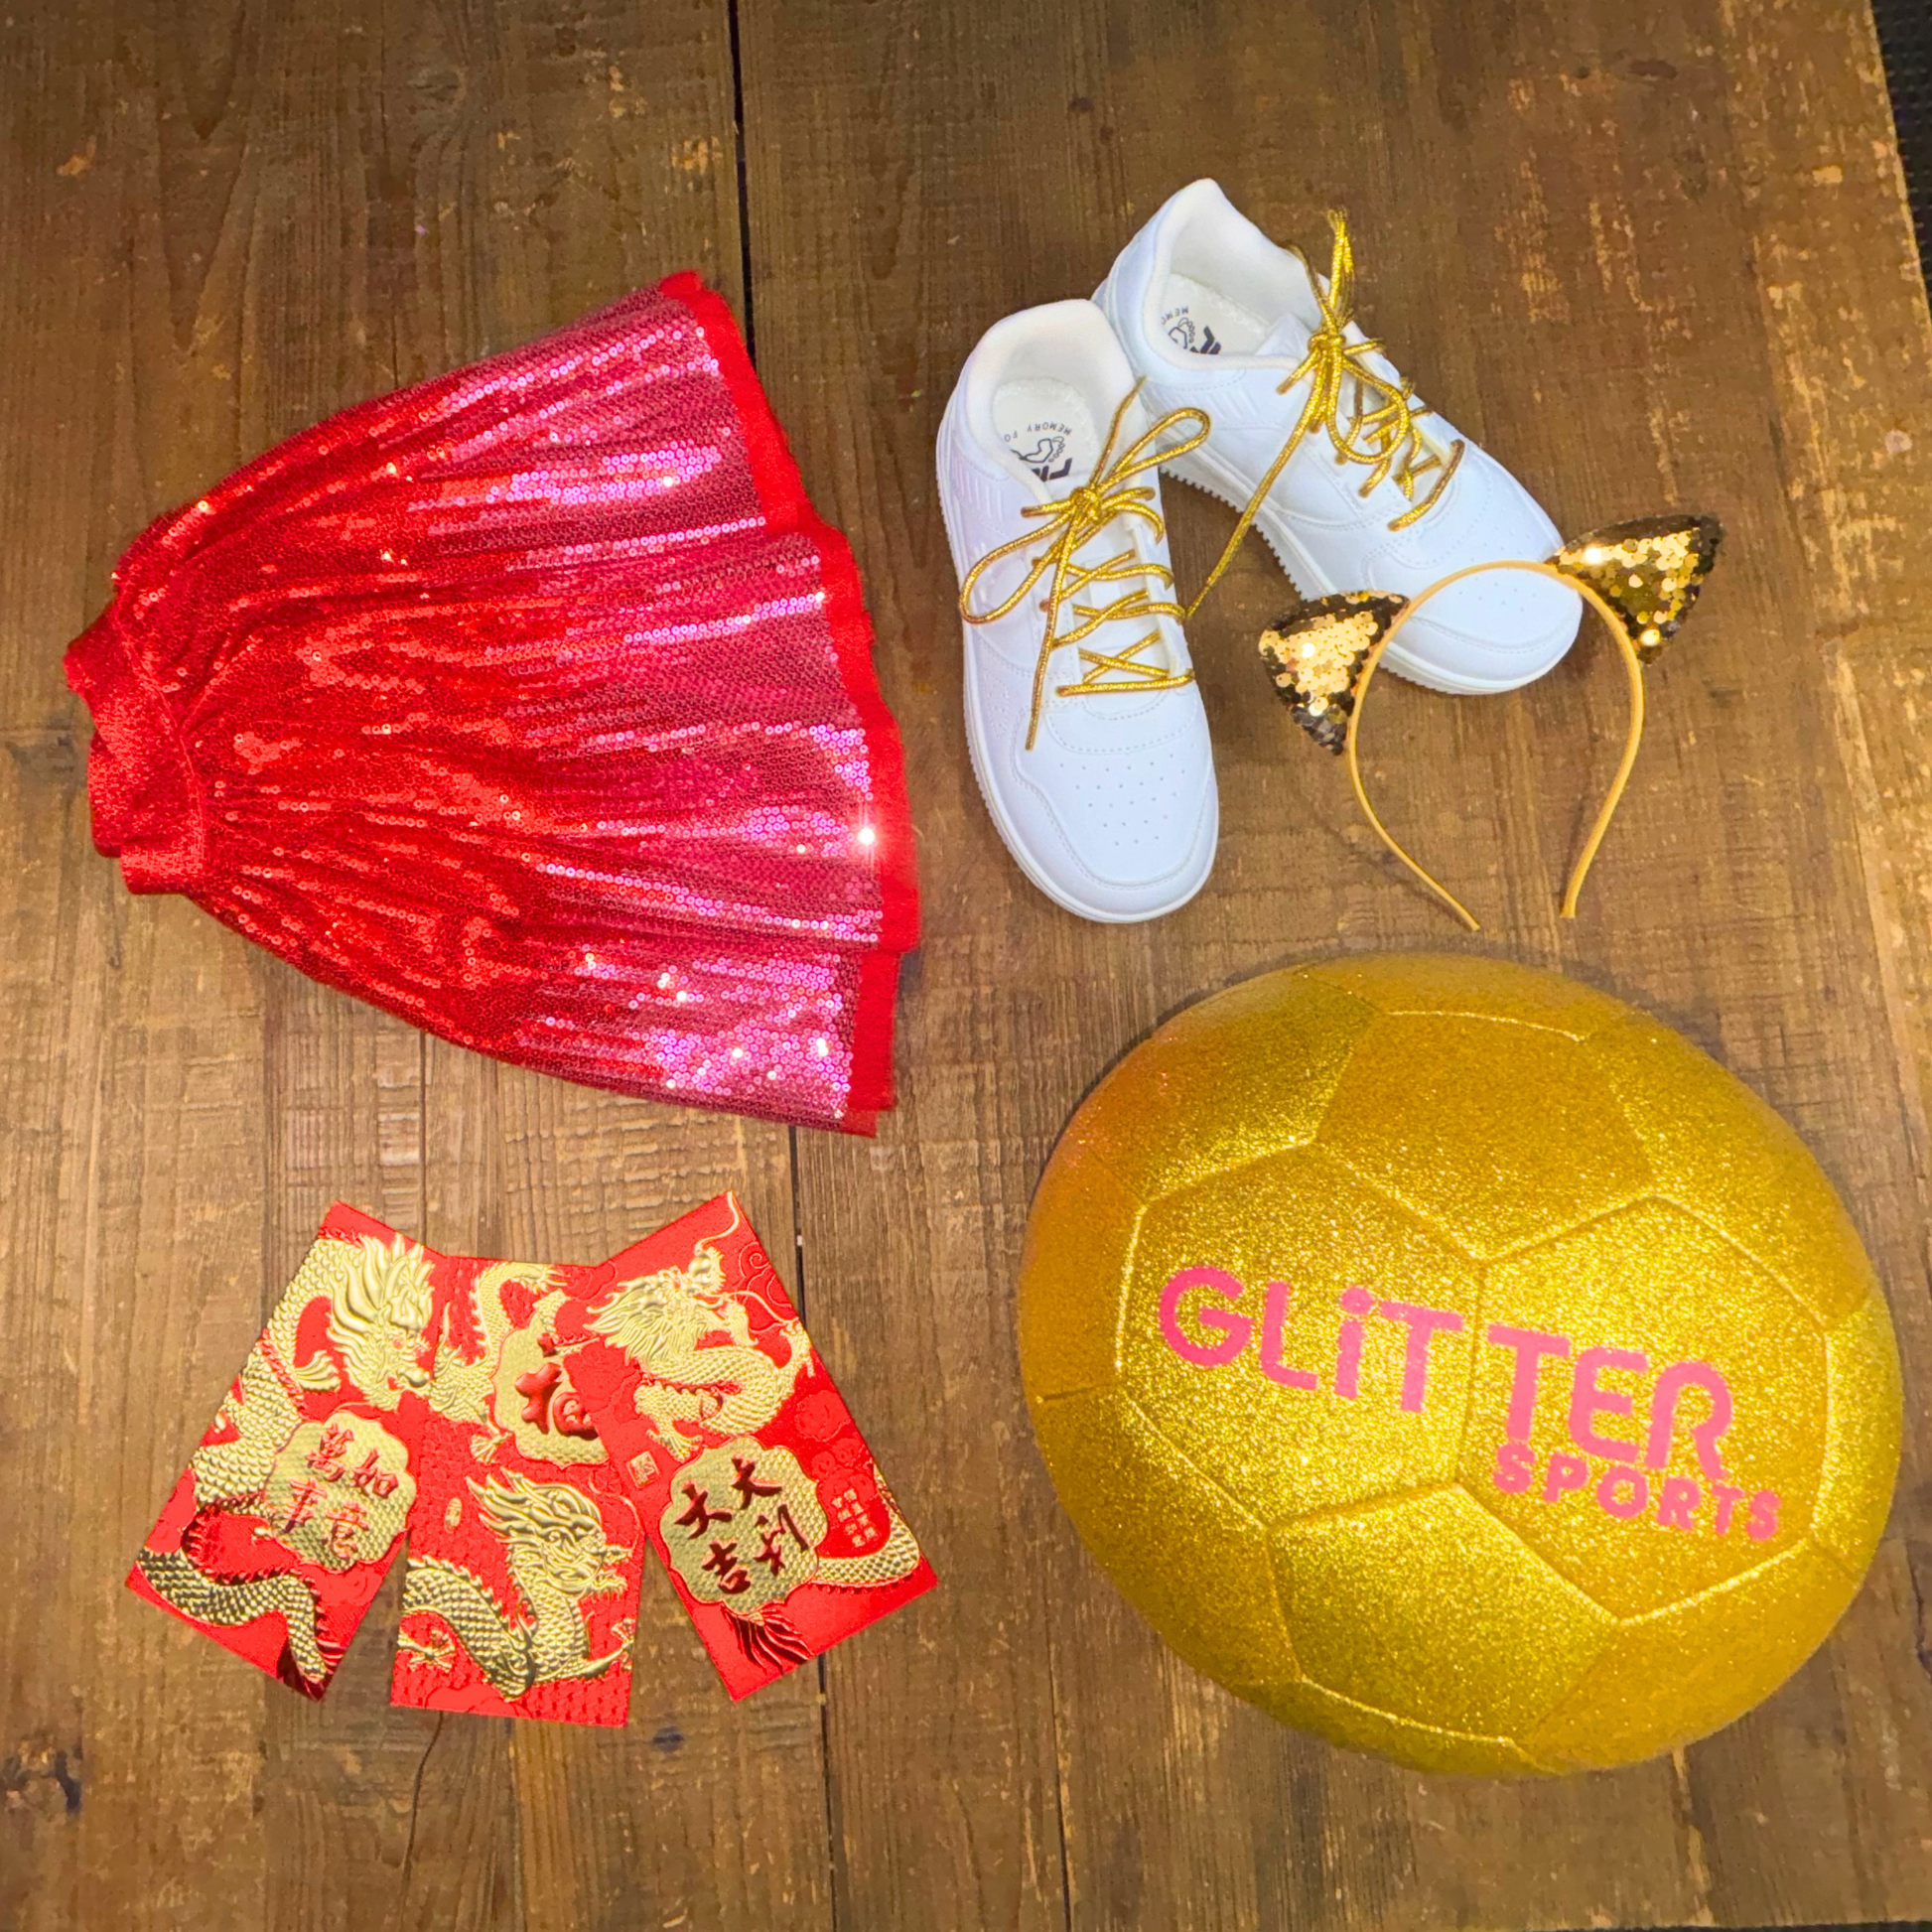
x=1905 y=39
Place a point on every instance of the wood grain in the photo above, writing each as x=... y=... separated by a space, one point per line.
x=1537 y=200
x=286 y=210
x=1647 y=253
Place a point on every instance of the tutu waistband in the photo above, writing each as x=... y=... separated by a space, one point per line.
x=147 y=805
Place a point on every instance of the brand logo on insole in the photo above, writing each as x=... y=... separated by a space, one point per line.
x=1197 y=337
x=1042 y=447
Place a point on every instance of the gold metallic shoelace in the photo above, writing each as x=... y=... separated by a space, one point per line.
x=1071 y=522
x=1381 y=433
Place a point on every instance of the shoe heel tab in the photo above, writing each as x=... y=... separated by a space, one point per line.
x=1012 y=333
x=1203 y=188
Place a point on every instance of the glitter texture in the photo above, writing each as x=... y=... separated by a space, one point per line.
x=1649 y=572
x=1315 y=658
x=1497 y=1149
x=534 y=704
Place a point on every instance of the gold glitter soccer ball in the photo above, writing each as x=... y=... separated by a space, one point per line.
x=1457 y=1363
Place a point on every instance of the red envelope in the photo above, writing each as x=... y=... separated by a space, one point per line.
x=749 y=1476
x=386 y=1398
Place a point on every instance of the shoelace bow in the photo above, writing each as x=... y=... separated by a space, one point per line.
x=1381 y=433
x=1073 y=520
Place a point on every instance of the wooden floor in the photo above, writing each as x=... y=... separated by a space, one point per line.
x=1651 y=252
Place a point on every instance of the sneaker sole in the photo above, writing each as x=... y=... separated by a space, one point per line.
x=1311 y=582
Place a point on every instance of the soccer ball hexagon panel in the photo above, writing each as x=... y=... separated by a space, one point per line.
x=1457 y=1363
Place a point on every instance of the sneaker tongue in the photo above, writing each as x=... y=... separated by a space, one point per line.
x=1288 y=336
x=1289 y=340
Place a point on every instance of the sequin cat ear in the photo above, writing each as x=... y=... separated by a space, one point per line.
x=1641 y=578
x=1316 y=657
x=1649 y=572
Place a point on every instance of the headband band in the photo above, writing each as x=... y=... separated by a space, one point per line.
x=1641 y=578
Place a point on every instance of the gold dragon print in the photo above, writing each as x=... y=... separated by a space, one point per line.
x=558 y=1559
x=690 y=1385
x=378 y=1300
x=510 y=1389
x=173 y=1577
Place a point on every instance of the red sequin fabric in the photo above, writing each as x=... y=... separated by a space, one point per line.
x=535 y=704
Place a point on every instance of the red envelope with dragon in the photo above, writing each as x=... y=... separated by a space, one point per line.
x=395 y=1392
x=749 y=1474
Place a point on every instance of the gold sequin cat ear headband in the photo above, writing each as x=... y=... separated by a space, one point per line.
x=1641 y=579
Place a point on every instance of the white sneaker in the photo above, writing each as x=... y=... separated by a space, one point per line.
x=1213 y=313
x=1091 y=752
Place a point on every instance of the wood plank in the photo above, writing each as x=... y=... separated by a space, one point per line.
x=134 y=1077
x=291 y=210
x=1644 y=253
x=595 y=152
x=347 y=1795
x=125 y=1282
x=1536 y=205
x=889 y=226
x=1844 y=306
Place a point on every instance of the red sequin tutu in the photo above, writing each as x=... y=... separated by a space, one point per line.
x=535 y=704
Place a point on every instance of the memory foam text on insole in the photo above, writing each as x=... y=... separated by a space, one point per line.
x=1048 y=426
x=1204 y=322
